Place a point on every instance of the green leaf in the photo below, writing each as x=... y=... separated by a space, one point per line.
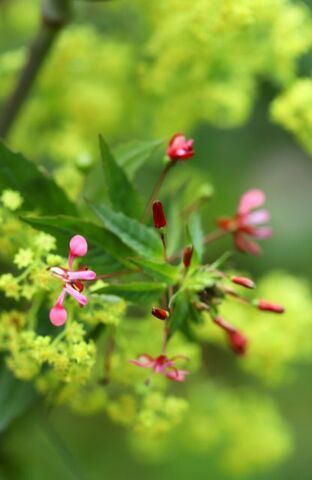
x=199 y=280
x=123 y=196
x=141 y=239
x=160 y=271
x=106 y=252
x=39 y=190
x=196 y=234
x=178 y=319
x=15 y=398
x=133 y=155
x=135 y=292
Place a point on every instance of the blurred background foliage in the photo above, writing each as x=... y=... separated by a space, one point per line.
x=235 y=75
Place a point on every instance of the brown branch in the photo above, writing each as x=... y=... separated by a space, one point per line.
x=54 y=15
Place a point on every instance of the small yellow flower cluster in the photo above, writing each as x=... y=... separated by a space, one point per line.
x=11 y=199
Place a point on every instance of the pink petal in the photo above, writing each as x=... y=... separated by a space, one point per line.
x=250 y=200
x=81 y=275
x=264 y=232
x=245 y=245
x=78 y=246
x=58 y=315
x=77 y=296
x=144 y=361
x=261 y=216
x=176 y=375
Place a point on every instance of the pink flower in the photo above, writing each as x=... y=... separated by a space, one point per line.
x=163 y=365
x=72 y=280
x=246 y=222
x=180 y=148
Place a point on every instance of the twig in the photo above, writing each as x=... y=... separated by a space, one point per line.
x=54 y=15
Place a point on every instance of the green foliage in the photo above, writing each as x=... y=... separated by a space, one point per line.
x=141 y=239
x=38 y=189
x=122 y=194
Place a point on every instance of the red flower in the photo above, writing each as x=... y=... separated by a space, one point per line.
x=245 y=223
x=238 y=342
x=187 y=256
x=163 y=365
x=160 y=313
x=243 y=282
x=270 y=307
x=179 y=148
x=159 y=217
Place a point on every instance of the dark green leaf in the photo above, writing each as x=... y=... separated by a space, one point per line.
x=15 y=398
x=123 y=196
x=39 y=190
x=159 y=271
x=143 y=240
x=135 y=292
x=106 y=252
x=133 y=155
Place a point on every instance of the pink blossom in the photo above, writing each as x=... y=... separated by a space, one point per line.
x=245 y=223
x=72 y=280
x=180 y=148
x=162 y=365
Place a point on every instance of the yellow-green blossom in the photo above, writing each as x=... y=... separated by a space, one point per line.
x=24 y=257
x=11 y=199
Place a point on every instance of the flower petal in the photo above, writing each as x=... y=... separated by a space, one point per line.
x=260 y=216
x=264 y=232
x=81 y=275
x=144 y=361
x=81 y=299
x=243 y=244
x=250 y=200
x=176 y=375
x=58 y=315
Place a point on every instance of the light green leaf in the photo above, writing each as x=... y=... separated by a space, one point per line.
x=135 y=292
x=133 y=155
x=38 y=189
x=141 y=239
x=123 y=196
x=196 y=234
x=160 y=271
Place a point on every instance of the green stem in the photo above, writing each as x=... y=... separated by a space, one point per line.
x=32 y=315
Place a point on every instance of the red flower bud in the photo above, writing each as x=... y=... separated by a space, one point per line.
x=180 y=148
x=270 y=307
x=159 y=215
x=160 y=313
x=243 y=281
x=187 y=256
x=238 y=342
